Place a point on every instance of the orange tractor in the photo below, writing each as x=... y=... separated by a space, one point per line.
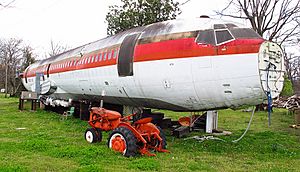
x=126 y=137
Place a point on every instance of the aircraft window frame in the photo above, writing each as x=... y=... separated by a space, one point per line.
x=209 y=38
x=244 y=33
x=100 y=57
x=225 y=40
x=104 y=56
x=219 y=26
x=88 y=59
x=231 y=25
x=115 y=53
x=109 y=55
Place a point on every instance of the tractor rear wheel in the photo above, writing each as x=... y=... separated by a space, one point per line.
x=163 y=136
x=123 y=140
x=90 y=135
x=155 y=142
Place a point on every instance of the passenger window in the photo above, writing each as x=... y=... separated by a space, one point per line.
x=115 y=53
x=206 y=37
x=100 y=57
x=223 y=36
x=104 y=56
x=109 y=55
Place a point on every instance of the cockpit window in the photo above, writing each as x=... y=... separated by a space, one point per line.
x=206 y=37
x=219 y=26
x=244 y=33
x=223 y=36
x=223 y=33
x=230 y=25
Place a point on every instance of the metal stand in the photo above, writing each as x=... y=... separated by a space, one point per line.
x=31 y=96
x=211 y=121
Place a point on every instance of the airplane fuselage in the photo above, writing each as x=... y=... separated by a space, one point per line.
x=181 y=65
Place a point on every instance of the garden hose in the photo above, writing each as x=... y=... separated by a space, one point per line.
x=248 y=127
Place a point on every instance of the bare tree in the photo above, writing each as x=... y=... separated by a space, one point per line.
x=2 y=65
x=14 y=58
x=56 y=48
x=28 y=57
x=294 y=69
x=275 y=20
x=8 y=4
x=10 y=57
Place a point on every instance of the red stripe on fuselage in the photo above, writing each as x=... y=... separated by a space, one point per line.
x=184 y=48
x=171 y=49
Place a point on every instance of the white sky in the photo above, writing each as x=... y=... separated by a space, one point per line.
x=72 y=22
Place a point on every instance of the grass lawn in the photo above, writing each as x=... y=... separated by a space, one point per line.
x=50 y=144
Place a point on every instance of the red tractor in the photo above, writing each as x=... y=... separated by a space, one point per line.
x=126 y=137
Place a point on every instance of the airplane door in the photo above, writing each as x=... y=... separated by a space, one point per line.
x=126 y=53
x=48 y=70
x=129 y=86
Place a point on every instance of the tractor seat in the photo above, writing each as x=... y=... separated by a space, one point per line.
x=143 y=121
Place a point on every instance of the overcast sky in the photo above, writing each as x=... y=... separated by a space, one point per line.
x=72 y=22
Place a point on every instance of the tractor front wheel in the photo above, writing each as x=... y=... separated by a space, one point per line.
x=123 y=140
x=90 y=135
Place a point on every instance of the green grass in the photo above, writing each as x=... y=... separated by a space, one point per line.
x=50 y=144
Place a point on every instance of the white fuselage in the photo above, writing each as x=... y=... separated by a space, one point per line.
x=190 y=83
x=164 y=71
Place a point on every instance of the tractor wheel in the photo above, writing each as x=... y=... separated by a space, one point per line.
x=90 y=135
x=163 y=136
x=123 y=140
x=99 y=134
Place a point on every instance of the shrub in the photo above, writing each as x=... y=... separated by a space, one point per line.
x=287 y=90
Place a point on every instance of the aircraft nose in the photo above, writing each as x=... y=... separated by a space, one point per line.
x=271 y=68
